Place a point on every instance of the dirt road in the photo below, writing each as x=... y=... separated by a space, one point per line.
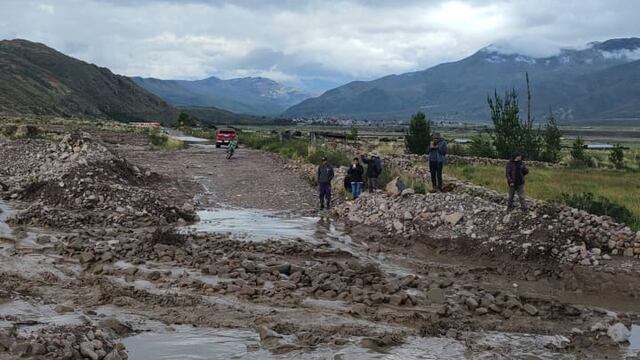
x=261 y=276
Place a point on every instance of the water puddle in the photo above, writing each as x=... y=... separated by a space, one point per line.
x=34 y=317
x=634 y=340
x=255 y=224
x=190 y=139
x=186 y=342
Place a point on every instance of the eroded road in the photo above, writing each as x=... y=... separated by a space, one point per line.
x=262 y=276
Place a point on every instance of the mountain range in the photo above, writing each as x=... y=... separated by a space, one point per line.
x=600 y=81
x=251 y=95
x=35 y=79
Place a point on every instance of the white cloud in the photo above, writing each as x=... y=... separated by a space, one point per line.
x=299 y=41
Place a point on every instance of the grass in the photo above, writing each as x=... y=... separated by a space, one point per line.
x=296 y=149
x=620 y=187
x=163 y=142
x=199 y=132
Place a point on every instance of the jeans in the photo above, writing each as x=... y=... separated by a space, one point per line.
x=325 y=195
x=517 y=189
x=435 y=168
x=372 y=184
x=356 y=189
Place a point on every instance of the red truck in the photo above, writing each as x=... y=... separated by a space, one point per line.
x=223 y=136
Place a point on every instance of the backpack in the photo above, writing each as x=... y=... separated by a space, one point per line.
x=377 y=165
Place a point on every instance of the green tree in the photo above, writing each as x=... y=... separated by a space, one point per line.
x=577 y=150
x=482 y=146
x=353 y=133
x=551 y=137
x=185 y=120
x=508 y=130
x=418 y=136
x=616 y=156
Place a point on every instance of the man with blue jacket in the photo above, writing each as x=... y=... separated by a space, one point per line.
x=437 y=156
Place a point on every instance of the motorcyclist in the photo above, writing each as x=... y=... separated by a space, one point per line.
x=233 y=145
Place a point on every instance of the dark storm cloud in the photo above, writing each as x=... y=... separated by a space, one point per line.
x=303 y=42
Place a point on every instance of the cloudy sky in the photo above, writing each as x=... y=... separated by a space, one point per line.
x=311 y=44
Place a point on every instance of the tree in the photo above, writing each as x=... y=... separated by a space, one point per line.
x=482 y=146
x=617 y=156
x=185 y=120
x=577 y=150
x=508 y=131
x=551 y=139
x=418 y=136
x=353 y=134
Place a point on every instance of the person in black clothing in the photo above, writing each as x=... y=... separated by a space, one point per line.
x=325 y=175
x=515 y=172
x=437 y=153
x=374 y=169
x=355 y=174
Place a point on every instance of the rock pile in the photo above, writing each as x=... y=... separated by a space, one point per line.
x=78 y=181
x=542 y=232
x=95 y=342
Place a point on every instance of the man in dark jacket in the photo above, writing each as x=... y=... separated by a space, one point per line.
x=356 y=175
x=515 y=172
x=325 y=175
x=437 y=156
x=374 y=169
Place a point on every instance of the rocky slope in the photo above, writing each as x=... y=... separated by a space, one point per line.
x=35 y=79
x=592 y=83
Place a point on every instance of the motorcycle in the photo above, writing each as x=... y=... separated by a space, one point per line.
x=230 y=151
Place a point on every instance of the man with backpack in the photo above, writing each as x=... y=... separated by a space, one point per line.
x=374 y=169
x=437 y=153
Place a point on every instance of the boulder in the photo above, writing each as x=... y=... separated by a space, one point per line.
x=618 y=333
x=395 y=187
x=454 y=218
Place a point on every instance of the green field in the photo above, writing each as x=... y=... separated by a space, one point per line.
x=621 y=187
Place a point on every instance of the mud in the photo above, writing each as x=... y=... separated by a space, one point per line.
x=261 y=275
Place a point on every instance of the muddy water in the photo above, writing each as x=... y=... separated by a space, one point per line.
x=185 y=342
x=255 y=224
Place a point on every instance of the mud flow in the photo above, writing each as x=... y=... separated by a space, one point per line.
x=119 y=251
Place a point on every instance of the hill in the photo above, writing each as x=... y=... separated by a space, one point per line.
x=35 y=79
x=252 y=95
x=578 y=84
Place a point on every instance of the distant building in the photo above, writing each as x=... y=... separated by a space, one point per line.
x=461 y=141
x=153 y=125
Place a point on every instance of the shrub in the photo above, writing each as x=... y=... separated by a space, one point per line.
x=617 y=156
x=600 y=206
x=482 y=146
x=457 y=149
x=163 y=142
x=418 y=136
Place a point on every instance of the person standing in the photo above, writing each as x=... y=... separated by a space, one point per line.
x=515 y=172
x=437 y=157
x=325 y=175
x=374 y=169
x=355 y=174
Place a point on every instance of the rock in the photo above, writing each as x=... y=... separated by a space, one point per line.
x=435 y=295
x=20 y=348
x=598 y=327
x=618 y=333
x=395 y=187
x=397 y=224
x=63 y=309
x=481 y=311
x=86 y=349
x=116 y=326
x=407 y=192
x=395 y=300
x=530 y=309
x=38 y=349
x=628 y=252
x=471 y=303
x=114 y=355
x=454 y=218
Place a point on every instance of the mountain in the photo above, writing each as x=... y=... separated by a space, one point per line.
x=35 y=79
x=597 y=82
x=251 y=95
